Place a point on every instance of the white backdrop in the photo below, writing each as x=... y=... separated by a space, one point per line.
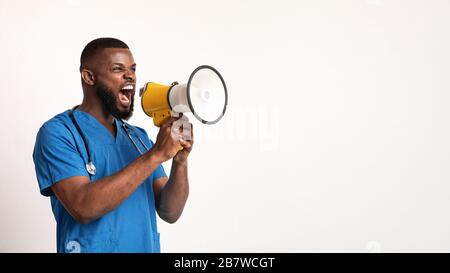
x=336 y=138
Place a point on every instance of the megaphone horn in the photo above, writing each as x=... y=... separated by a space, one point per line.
x=204 y=95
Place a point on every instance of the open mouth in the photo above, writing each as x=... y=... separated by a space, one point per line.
x=125 y=95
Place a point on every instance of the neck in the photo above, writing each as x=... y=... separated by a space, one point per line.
x=97 y=110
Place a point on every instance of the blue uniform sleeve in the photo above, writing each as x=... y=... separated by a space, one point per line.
x=159 y=171
x=56 y=157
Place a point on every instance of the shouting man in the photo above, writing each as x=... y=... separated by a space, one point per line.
x=103 y=175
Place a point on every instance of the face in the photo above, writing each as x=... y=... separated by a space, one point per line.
x=115 y=83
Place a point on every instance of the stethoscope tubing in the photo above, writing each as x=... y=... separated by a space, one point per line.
x=90 y=167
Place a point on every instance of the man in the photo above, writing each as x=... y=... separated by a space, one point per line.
x=104 y=176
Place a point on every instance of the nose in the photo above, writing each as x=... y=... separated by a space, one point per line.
x=130 y=75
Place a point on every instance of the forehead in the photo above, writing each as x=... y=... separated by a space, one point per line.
x=110 y=56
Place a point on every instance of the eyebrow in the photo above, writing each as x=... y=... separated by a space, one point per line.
x=121 y=64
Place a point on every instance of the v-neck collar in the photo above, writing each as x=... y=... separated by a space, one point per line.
x=94 y=121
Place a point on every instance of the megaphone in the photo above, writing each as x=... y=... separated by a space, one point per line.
x=204 y=95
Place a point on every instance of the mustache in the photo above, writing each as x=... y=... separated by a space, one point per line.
x=108 y=99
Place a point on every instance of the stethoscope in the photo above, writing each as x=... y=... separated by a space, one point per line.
x=90 y=167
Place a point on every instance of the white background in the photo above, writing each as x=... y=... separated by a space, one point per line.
x=336 y=138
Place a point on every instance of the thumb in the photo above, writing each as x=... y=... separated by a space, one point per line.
x=171 y=120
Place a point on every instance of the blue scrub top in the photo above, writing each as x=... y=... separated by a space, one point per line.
x=60 y=153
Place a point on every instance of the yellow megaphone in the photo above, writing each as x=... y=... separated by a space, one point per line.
x=204 y=95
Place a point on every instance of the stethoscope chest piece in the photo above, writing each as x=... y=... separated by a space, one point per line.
x=90 y=167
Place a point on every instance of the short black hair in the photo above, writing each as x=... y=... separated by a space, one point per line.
x=94 y=47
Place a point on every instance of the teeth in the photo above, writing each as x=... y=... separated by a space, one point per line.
x=128 y=87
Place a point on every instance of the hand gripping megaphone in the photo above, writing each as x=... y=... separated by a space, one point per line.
x=204 y=95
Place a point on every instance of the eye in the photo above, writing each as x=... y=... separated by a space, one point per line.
x=117 y=68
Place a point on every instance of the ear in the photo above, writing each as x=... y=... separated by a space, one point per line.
x=88 y=76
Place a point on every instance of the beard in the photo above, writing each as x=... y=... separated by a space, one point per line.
x=109 y=101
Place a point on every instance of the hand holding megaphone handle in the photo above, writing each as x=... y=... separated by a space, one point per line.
x=181 y=128
x=166 y=145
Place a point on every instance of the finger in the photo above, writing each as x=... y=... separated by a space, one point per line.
x=186 y=145
x=176 y=114
x=187 y=140
x=170 y=121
